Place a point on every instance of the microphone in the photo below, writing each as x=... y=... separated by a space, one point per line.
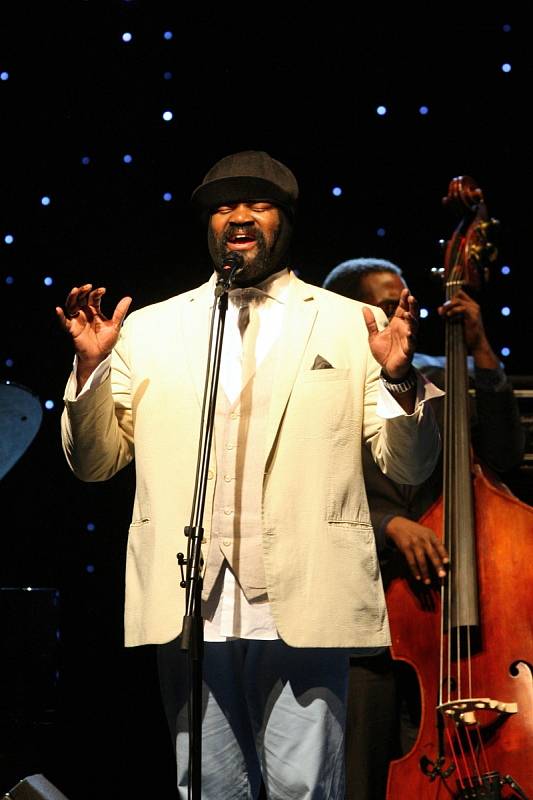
x=232 y=264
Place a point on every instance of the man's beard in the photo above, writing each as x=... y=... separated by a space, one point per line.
x=258 y=265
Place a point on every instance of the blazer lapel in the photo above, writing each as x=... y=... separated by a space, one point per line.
x=195 y=323
x=298 y=324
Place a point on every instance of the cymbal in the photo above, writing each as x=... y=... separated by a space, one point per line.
x=20 y=419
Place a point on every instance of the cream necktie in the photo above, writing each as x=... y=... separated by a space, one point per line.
x=244 y=318
x=248 y=323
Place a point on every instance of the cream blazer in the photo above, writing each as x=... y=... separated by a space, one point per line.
x=321 y=567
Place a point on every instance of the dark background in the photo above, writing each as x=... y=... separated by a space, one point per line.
x=301 y=84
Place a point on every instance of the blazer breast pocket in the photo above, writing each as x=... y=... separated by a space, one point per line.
x=325 y=375
x=323 y=403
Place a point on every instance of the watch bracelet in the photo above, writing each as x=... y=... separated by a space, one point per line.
x=399 y=387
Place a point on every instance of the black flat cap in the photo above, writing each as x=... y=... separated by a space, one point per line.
x=250 y=175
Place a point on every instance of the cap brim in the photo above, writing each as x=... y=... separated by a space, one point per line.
x=208 y=196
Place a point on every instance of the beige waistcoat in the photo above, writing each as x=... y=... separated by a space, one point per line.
x=237 y=527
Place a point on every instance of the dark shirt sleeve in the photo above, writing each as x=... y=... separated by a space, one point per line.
x=379 y=521
x=498 y=440
x=498 y=436
x=497 y=433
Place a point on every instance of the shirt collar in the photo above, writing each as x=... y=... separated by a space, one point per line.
x=275 y=287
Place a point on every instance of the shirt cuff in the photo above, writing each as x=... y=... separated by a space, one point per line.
x=96 y=378
x=389 y=408
x=380 y=533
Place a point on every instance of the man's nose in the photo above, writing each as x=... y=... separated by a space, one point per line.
x=241 y=215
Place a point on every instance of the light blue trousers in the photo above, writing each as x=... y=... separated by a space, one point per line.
x=270 y=711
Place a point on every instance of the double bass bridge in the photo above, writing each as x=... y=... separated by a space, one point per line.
x=477 y=784
x=464 y=710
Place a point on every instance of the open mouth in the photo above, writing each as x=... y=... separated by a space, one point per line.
x=241 y=241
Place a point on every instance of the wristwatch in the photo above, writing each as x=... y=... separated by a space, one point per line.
x=399 y=387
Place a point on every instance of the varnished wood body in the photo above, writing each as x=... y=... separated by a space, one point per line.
x=503 y=655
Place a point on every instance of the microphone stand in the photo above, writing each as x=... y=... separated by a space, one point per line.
x=192 y=630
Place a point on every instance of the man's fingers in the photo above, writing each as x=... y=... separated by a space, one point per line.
x=443 y=553
x=84 y=298
x=413 y=305
x=429 y=552
x=370 y=320
x=422 y=564
x=76 y=299
x=63 y=321
x=121 y=310
x=412 y=564
x=407 y=306
x=95 y=296
x=93 y=302
x=438 y=555
x=402 y=302
x=76 y=291
x=451 y=311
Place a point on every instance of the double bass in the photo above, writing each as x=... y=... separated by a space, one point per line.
x=469 y=639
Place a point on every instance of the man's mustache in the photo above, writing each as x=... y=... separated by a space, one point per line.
x=243 y=230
